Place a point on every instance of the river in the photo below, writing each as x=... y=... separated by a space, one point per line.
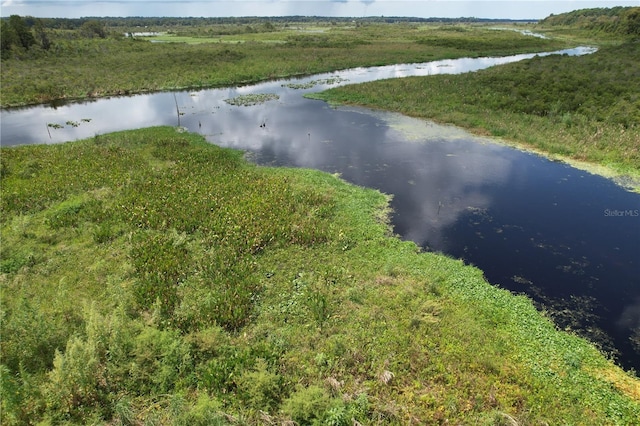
x=568 y=239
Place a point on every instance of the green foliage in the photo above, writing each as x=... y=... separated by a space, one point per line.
x=14 y=261
x=93 y=28
x=20 y=31
x=260 y=389
x=72 y=212
x=225 y=293
x=205 y=412
x=482 y=42
x=6 y=39
x=10 y=396
x=584 y=107
x=41 y=35
x=324 y=41
x=632 y=21
x=615 y=20
x=161 y=362
x=221 y=293
x=161 y=263
x=311 y=406
x=254 y=99
x=30 y=337
x=226 y=55
x=602 y=86
x=74 y=382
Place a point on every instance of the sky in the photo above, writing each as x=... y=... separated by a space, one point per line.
x=500 y=9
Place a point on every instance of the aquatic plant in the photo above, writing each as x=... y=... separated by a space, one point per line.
x=252 y=99
x=312 y=83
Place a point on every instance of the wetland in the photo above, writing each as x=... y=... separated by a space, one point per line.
x=156 y=276
x=517 y=216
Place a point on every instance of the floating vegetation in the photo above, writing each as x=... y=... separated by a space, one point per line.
x=253 y=99
x=68 y=123
x=312 y=83
x=521 y=280
x=307 y=85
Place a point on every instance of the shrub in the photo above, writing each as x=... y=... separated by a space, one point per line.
x=205 y=412
x=312 y=406
x=30 y=337
x=161 y=362
x=74 y=385
x=260 y=389
x=160 y=262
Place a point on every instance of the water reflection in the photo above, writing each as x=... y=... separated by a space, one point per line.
x=534 y=226
x=531 y=225
x=29 y=125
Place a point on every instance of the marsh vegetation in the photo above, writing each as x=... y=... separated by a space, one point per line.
x=253 y=99
x=583 y=107
x=150 y=277
x=72 y=65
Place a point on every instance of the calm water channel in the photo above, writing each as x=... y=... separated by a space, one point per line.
x=568 y=239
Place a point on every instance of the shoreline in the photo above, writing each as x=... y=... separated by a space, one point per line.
x=630 y=182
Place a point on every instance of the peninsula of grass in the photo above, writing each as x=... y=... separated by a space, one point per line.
x=74 y=66
x=582 y=108
x=148 y=277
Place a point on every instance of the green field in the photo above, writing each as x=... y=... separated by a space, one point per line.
x=149 y=277
x=73 y=66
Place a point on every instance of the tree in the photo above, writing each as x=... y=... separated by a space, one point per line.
x=41 y=35
x=93 y=28
x=632 y=20
x=7 y=38
x=21 y=32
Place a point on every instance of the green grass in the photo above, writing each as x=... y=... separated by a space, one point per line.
x=151 y=278
x=74 y=67
x=582 y=108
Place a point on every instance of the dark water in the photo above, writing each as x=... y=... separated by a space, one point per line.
x=568 y=239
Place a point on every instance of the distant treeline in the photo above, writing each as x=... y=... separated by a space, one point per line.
x=615 y=20
x=22 y=34
x=139 y=21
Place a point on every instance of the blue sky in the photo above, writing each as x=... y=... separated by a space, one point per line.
x=514 y=9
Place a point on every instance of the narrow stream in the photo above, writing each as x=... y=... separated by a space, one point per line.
x=568 y=239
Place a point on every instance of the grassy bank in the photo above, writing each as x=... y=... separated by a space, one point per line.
x=581 y=108
x=74 y=67
x=151 y=278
